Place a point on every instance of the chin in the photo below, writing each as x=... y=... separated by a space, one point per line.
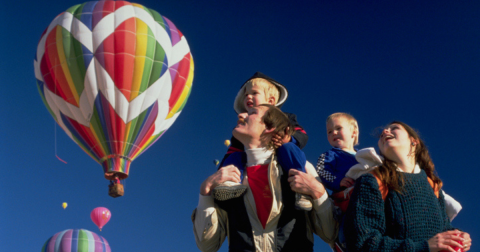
x=235 y=133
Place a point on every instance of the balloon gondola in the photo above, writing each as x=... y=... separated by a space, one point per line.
x=115 y=76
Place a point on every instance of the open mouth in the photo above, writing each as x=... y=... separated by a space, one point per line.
x=249 y=104
x=388 y=137
x=241 y=121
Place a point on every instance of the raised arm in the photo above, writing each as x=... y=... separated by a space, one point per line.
x=209 y=222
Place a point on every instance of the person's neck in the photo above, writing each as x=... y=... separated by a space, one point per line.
x=254 y=144
x=405 y=163
x=348 y=149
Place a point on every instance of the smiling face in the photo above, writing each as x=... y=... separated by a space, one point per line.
x=254 y=96
x=259 y=91
x=395 y=141
x=341 y=133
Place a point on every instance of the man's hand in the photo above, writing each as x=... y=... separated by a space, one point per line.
x=226 y=173
x=303 y=183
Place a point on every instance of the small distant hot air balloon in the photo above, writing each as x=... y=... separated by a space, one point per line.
x=227 y=142
x=215 y=161
x=100 y=216
x=64 y=205
x=115 y=76
x=76 y=240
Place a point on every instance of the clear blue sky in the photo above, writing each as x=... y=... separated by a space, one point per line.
x=415 y=61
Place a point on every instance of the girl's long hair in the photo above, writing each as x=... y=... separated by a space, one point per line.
x=394 y=179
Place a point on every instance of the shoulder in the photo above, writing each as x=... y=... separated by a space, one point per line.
x=368 y=178
x=367 y=191
x=328 y=155
x=367 y=181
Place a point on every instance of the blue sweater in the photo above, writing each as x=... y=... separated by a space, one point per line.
x=332 y=166
x=403 y=222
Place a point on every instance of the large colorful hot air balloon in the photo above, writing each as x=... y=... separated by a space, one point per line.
x=114 y=75
x=76 y=240
x=100 y=216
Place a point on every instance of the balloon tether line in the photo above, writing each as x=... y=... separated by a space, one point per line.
x=55 y=130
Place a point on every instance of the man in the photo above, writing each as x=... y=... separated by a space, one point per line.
x=265 y=218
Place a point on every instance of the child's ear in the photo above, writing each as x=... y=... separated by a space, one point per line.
x=272 y=101
x=355 y=132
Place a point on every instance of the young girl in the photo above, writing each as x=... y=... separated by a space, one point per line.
x=411 y=216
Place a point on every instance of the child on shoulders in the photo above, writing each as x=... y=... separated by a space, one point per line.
x=262 y=89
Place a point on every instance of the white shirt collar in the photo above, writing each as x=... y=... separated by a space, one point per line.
x=258 y=156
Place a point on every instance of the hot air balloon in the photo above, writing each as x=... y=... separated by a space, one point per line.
x=100 y=216
x=114 y=75
x=215 y=162
x=64 y=205
x=76 y=240
x=227 y=142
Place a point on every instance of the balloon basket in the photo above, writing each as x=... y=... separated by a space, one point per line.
x=115 y=190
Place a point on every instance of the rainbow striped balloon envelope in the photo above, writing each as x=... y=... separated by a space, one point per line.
x=76 y=240
x=114 y=75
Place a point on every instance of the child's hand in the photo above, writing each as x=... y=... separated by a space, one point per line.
x=279 y=141
x=347 y=182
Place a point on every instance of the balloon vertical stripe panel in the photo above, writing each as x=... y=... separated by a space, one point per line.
x=181 y=89
x=80 y=133
x=76 y=240
x=115 y=76
x=135 y=128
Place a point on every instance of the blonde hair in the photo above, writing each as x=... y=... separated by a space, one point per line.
x=269 y=89
x=351 y=120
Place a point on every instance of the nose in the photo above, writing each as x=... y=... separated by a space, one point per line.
x=384 y=131
x=242 y=115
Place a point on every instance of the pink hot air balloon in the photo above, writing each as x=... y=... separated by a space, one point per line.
x=100 y=216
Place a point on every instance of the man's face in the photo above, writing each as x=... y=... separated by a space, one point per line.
x=250 y=126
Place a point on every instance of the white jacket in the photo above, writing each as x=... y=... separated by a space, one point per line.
x=210 y=222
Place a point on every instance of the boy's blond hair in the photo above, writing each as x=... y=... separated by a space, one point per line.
x=269 y=89
x=351 y=120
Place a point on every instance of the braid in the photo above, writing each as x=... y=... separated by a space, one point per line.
x=425 y=162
